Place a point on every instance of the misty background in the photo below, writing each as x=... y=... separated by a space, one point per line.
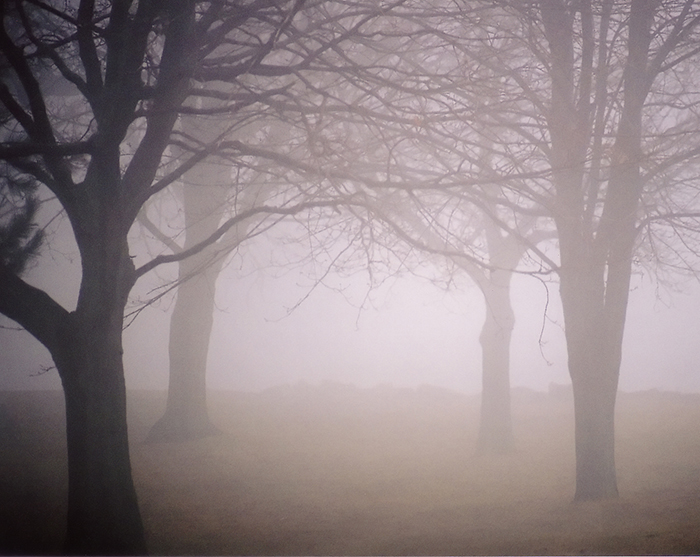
x=405 y=333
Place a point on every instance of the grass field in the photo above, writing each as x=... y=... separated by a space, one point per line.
x=336 y=470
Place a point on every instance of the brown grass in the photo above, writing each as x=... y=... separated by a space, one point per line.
x=337 y=470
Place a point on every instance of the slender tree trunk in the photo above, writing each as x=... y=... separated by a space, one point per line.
x=186 y=415
x=505 y=252
x=496 y=427
x=205 y=192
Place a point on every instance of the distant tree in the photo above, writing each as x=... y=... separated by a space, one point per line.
x=413 y=119
x=282 y=115
x=207 y=190
x=504 y=254
x=500 y=255
x=595 y=111
x=207 y=193
x=600 y=190
x=204 y=198
x=589 y=112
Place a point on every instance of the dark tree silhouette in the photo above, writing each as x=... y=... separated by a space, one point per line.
x=126 y=71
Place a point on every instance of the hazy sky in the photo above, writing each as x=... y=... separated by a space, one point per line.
x=416 y=333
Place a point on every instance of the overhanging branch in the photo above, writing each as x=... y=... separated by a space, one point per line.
x=240 y=217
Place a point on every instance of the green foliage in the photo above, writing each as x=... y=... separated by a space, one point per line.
x=20 y=239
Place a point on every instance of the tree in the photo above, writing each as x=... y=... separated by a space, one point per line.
x=593 y=93
x=204 y=197
x=192 y=319
x=597 y=217
x=586 y=108
x=502 y=254
x=131 y=66
x=298 y=116
x=594 y=105
x=206 y=192
x=410 y=117
x=290 y=135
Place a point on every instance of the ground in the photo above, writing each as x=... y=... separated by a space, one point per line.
x=337 y=470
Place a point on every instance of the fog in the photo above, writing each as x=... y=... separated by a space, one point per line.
x=406 y=333
x=317 y=466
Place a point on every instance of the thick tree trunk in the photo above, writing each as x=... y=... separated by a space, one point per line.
x=103 y=513
x=496 y=427
x=593 y=378
x=594 y=410
x=594 y=312
x=594 y=371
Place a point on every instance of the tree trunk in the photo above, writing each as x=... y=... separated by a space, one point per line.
x=594 y=411
x=594 y=371
x=594 y=304
x=186 y=415
x=205 y=192
x=103 y=512
x=594 y=383
x=496 y=427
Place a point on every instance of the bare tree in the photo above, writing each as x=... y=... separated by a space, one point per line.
x=131 y=66
x=420 y=113
x=594 y=99
x=597 y=212
x=206 y=192
x=588 y=110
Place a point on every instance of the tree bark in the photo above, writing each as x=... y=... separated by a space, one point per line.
x=594 y=366
x=103 y=513
x=594 y=412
